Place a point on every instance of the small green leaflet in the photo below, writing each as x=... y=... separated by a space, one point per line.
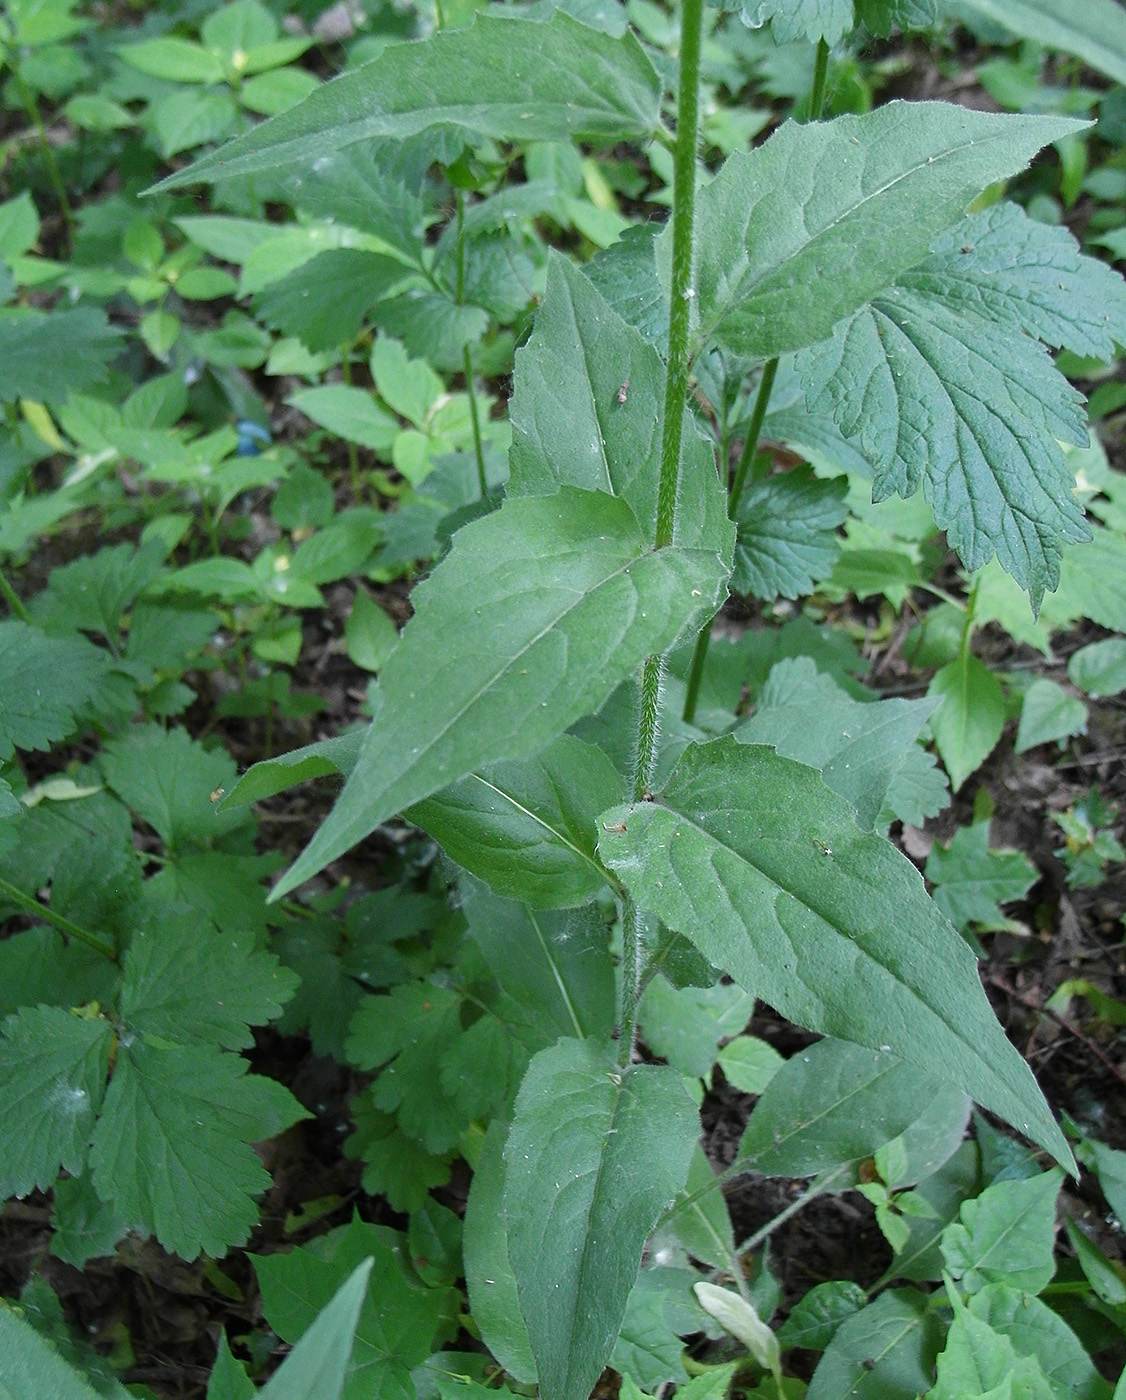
x=1005 y=1235
x=787 y=538
x=791 y=20
x=805 y=229
x=324 y=301
x=594 y=1155
x=969 y=721
x=1092 y=30
x=536 y=614
x=45 y=684
x=971 y=881
x=1048 y=713
x=898 y=1333
x=45 y=356
x=1099 y=668
x=756 y=861
x=513 y=79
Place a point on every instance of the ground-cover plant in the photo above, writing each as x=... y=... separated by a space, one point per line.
x=630 y=859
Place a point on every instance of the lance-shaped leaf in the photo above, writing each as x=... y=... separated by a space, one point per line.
x=594 y=1155
x=800 y=232
x=536 y=614
x=587 y=411
x=511 y=79
x=527 y=826
x=1094 y=31
x=756 y=861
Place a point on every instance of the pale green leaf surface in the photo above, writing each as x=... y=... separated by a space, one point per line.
x=1036 y=1330
x=52 y=1078
x=970 y=719
x=527 y=826
x=800 y=232
x=685 y=1024
x=1094 y=31
x=489 y=1278
x=754 y=859
x=1005 y=1235
x=813 y=1321
x=971 y=881
x=1048 y=713
x=511 y=79
x=318 y=1364
x=170 y=1150
x=898 y=1334
x=749 y=1064
x=31 y=1368
x=536 y=614
x=594 y=1155
x=787 y=538
x=978 y=1363
x=351 y=413
x=859 y=748
x=188 y=984
x=1099 y=668
x=792 y=20
x=833 y=1105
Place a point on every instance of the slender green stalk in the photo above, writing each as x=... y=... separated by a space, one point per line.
x=754 y=431
x=676 y=395
x=475 y=420
x=353 y=454
x=820 y=73
x=58 y=921
x=819 y=1188
x=13 y=599
x=31 y=106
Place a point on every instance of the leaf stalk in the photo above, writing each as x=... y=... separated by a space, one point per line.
x=58 y=921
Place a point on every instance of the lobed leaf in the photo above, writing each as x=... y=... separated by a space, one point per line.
x=787 y=539
x=756 y=861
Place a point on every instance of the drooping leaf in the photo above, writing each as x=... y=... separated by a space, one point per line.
x=787 y=539
x=508 y=78
x=1005 y=1235
x=800 y=232
x=52 y=1077
x=1094 y=31
x=971 y=881
x=755 y=860
x=170 y=1150
x=898 y=1334
x=527 y=827
x=970 y=719
x=535 y=615
x=860 y=749
x=46 y=356
x=594 y=1154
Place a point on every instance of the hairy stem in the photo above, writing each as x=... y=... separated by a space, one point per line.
x=58 y=921
x=632 y=951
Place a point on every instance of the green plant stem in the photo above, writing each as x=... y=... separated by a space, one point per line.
x=475 y=421
x=353 y=454
x=632 y=950
x=819 y=1187
x=13 y=599
x=58 y=921
x=31 y=106
x=820 y=73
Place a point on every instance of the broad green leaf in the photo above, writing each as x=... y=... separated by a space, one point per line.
x=971 y=881
x=978 y=1363
x=369 y=634
x=351 y=413
x=1094 y=31
x=228 y=1379
x=508 y=78
x=792 y=20
x=318 y=1364
x=660 y=1308
x=787 y=539
x=489 y=1279
x=324 y=301
x=398 y=1318
x=881 y=16
x=684 y=1025
x=1099 y=668
x=587 y=412
x=1005 y=1235
x=812 y=1322
x=175 y=60
x=31 y=1368
x=45 y=683
x=1037 y=1331
x=85 y=1227
x=52 y=1077
x=536 y=614
x=970 y=719
x=19 y=226
x=1048 y=713
x=191 y=985
x=756 y=861
x=527 y=826
x=92 y=593
x=170 y=1150
x=884 y=1352
x=830 y=1106
x=555 y=965
x=698 y=1222
x=805 y=229
x=860 y=748
x=594 y=1155
x=749 y=1064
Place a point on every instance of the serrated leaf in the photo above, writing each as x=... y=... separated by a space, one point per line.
x=859 y=748
x=971 y=882
x=800 y=232
x=1005 y=1235
x=527 y=827
x=884 y=1352
x=30 y=1367
x=490 y=1282
x=170 y=1150
x=594 y=1155
x=969 y=721
x=787 y=538
x=85 y=1227
x=52 y=1077
x=1048 y=713
x=509 y=78
x=793 y=20
x=44 y=357
x=191 y=985
x=324 y=301
x=879 y=17
x=831 y=1106
x=318 y=1364
x=1094 y=31
x=756 y=861
x=45 y=683
x=535 y=615
x=395 y=1165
